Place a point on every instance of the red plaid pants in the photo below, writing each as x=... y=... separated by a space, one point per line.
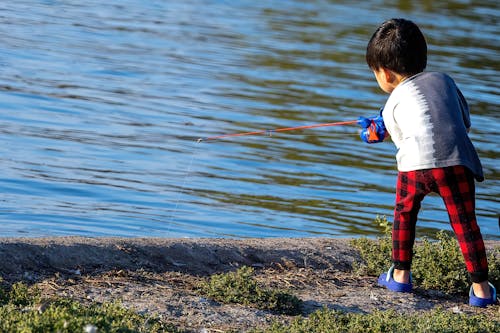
x=456 y=186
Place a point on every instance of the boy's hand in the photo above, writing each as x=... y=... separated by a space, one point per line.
x=373 y=129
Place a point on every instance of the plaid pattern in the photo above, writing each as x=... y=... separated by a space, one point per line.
x=455 y=185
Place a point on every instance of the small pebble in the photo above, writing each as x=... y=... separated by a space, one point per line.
x=89 y=328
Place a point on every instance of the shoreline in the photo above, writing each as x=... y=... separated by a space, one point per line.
x=160 y=276
x=199 y=256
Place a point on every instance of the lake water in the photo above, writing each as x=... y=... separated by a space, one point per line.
x=102 y=103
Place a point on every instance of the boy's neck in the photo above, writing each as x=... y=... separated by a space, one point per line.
x=400 y=78
x=388 y=79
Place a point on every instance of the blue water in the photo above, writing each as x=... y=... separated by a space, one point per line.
x=102 y=103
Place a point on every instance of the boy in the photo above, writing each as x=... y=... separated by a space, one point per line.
x=428 y=120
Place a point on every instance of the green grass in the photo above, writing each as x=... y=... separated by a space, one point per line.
x=23 y=310
x=240 y=287
x=376 y=254
x=438 y=321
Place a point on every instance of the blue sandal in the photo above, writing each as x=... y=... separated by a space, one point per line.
x=386 y=280
x=483 y=302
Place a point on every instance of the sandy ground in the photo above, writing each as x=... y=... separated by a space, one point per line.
x=160 y=276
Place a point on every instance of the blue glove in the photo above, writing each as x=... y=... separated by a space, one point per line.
x=373 y=129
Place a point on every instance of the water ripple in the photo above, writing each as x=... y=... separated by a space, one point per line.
x=103 y=102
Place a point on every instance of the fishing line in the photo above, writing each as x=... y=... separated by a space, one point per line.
x=182 y=188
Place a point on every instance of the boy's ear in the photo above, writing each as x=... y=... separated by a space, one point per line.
x=388 y=75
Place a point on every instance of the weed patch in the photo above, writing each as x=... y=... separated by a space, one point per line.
x=376 y=255
x=240 y=287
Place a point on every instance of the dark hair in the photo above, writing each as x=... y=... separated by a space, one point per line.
x=397 y=45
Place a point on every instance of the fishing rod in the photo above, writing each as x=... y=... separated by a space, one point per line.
x=276 y=130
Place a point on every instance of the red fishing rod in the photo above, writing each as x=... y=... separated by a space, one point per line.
x=276 y=130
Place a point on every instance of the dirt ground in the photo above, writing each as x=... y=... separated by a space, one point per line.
x=160 y=276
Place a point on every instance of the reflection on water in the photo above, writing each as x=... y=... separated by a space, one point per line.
x=102 y=104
